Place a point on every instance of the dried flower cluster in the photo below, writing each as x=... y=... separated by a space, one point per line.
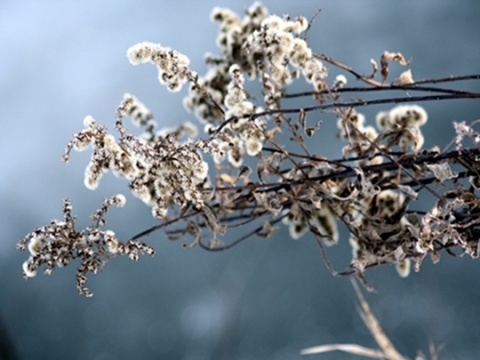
x=172 y=66
x=59 y=242
x=371 y=191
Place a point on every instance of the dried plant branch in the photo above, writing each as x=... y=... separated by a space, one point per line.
x=376 y=330
x=265 y=175
x=387 y=351
x=365 y=79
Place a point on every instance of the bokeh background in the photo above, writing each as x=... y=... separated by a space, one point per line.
x=265 y=299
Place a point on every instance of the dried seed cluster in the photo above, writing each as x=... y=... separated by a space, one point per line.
x=172 y=66
x=243 y=174
x=58 y=243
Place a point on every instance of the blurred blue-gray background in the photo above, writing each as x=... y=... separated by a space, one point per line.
x=265 y=299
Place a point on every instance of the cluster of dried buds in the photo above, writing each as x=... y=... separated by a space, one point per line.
x=59 y=242
x=256 y=180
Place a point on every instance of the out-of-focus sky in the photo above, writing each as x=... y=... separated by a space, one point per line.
x=63 y=60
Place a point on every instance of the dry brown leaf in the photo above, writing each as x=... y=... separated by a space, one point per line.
x=229 y=179
x=388 y=57
x=405 y=78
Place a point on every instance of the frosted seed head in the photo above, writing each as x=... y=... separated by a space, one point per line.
x=297 y=230
x=370 y=133
x=253 y=146
x=110 y=239
x=273 y=22
x=383 y=120
x=403 y=267
x=219 y=156
x=235 y=157
x=418 y=115
x=159 y=212
x=224 y=16
x=209 y=128
x=119 y=200
x=142 y=52
x=29 y=270
x=324 y=220
x=92 y=178
x=143 y=193
x=89 y=121
x=389 y=202
x=340 y=81
x=200 y=170
x=256 y=13
x=408 y=115
x=35 y=245
x=190 y=129
x=80 y=143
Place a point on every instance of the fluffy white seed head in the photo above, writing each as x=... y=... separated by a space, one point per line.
x=190 y=129
x=383 y=120
x=403 y=267
x=253 y=146
x=35 y=245
x=92 y=177
x=200 y=170
x=235 y=156
x=111 y=241
x=28 y=271
x=340 y=81
x=297 y=230
x=142 y=52
x=119 y=200
x=89 y=121
x=159 y=212
x=403 y=116
x=143 y=193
